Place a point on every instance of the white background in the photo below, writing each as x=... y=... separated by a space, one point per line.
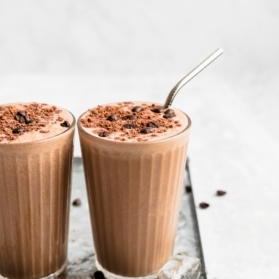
x=78 y=54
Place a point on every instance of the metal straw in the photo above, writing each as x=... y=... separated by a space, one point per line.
x=193 y=73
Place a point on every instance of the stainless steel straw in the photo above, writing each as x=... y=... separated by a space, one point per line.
x=192 y=74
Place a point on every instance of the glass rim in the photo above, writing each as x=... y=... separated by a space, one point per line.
x=73 y=124
x=81 y=129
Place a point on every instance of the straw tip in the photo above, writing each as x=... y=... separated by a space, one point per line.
x=220 y=50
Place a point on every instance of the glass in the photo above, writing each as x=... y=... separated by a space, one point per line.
x=134 y=191
x=35 y=187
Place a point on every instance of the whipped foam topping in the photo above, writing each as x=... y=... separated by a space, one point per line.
x=26 y=122
x=133 y=122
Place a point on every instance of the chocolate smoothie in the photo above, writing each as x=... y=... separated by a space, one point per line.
x=36 y=147
x=134 y=156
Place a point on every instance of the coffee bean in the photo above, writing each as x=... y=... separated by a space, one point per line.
x=130 y=117
x=76 y=202
x=157 y=110
x=65 y=124
x=103 y=134
x=129 y=126
x=112 y=117
x=152 y=125
x=99 y=275
x=169 y=113
x=204 y=205
x=136 y=109
x=147 y=130
x=188 y=189
x=21 y=113
x=220 y=193
x=18 y=130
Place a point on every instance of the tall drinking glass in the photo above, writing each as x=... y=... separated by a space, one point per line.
x=134 y=159
x=36 y=150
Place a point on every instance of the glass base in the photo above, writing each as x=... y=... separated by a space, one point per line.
x=110 y=275
x=50 y=276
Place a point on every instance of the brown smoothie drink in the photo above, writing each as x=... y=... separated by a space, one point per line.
x=134 y=155
x=36 y=148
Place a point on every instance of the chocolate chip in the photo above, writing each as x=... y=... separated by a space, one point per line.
x=130 y=117
x=99 y=275
x=29 y=121
x=21 y=119
x=65 y=124
x=152 y=125
x=220 y=193
x=18 y=130
x=158 y=110
x=76 y=202
x=147 y=130
x=169 y=113
x=188 y=189
x=204 y=205
x=129 y=126
x=136 y=109
x=103 y=134
x=112 y=117
x=21 y=113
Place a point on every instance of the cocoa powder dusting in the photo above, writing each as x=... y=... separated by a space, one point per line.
x=32 y=117
x=129 y=121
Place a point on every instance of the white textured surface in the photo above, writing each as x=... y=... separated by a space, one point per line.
x=235 y=148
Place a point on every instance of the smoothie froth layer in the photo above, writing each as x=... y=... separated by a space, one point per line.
x=133 y=122
x=26 y=122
